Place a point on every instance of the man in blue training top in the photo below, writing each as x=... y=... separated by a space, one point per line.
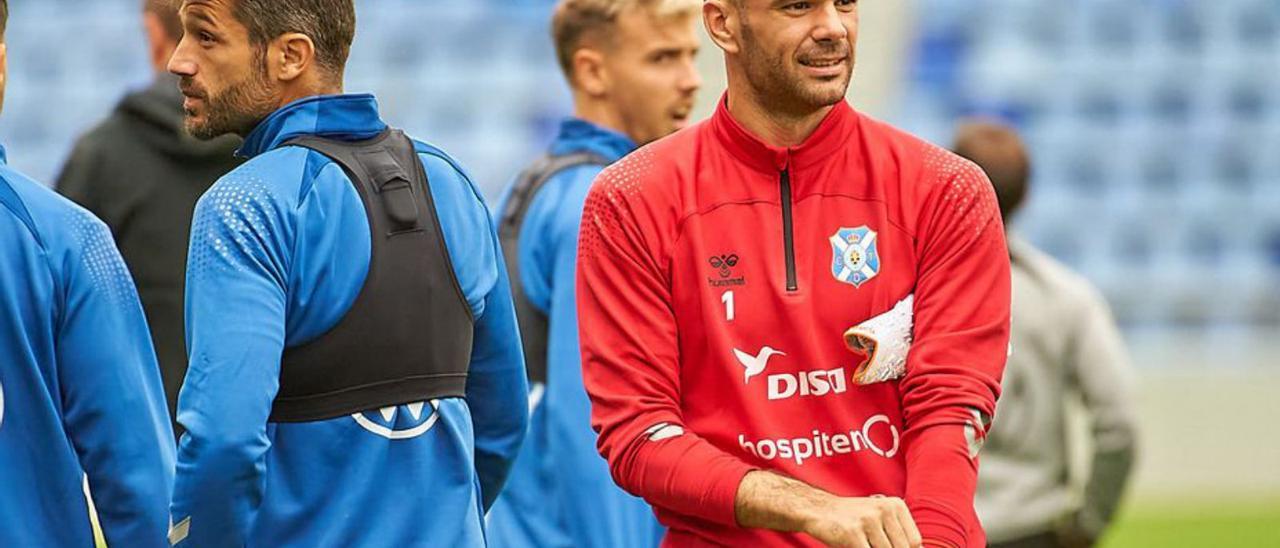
x=82 y=409
x=355 y=372
x=630 y=66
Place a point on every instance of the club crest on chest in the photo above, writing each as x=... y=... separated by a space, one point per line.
x=854 y=257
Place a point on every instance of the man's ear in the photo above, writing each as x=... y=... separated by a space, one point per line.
x=160 y=45
x=290 y=55
x=589 y=74
x=723 y=24
x=4 y=65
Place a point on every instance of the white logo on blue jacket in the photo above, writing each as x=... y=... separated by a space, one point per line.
x=400 y=422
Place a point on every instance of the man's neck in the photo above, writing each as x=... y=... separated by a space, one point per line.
x=287 y=97
x=775 y=127
x=598 y=112
x=295 y=93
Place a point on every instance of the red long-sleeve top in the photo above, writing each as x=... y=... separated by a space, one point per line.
x=716 y=276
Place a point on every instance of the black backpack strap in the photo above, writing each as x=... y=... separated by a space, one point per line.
x=408 y=335
x=533 y=322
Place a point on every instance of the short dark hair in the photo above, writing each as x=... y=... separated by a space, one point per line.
x=1000 y=152
x=168 y=13
x=331 y=24
x=4 y=17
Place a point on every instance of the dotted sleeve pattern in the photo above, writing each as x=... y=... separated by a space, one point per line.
x=99 y=259
x=963 y=196
x=609 y=198
x=230 y=225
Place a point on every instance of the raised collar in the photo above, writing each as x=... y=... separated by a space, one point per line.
x=349 y=117
x=578 y=135
x=831 y=135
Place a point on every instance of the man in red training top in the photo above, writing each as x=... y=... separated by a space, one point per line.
x=720 y=267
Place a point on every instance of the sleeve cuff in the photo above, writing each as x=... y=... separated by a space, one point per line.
x=723 y=493
x=938 y=529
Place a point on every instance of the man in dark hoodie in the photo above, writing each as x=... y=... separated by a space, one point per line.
x=141 y=173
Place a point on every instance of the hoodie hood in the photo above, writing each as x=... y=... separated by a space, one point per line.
x=158 y=108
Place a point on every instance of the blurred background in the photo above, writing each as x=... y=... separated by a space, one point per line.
x=1154 y=127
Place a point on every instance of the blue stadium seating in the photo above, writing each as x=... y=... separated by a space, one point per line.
x=1155 y=131
x=1155 y=124
x=477 y=78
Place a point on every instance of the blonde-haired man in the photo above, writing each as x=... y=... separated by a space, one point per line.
x=630 y=68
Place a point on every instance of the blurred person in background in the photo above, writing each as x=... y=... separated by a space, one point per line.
x=1065 y=347
x=81 y=402
x=356 y=376
x=141 y=173
x=717 y=270
x=630 y=67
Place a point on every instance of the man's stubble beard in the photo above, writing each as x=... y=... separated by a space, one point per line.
x=777 y=89
x=238 y=109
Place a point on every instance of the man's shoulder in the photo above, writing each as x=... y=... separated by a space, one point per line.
x=931 y=164
x=279 y=173
x=437 y=157
x=1055 y=278
x=653 y=172
x=442 y=169
x=70 y=237
x=926 y=179
x=53 y=220
x=562 y=181
x=556 y=206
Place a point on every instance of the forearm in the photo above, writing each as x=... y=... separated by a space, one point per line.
x=1109 y=474
x=772 y=501
x=684 y=474
x=497 y=389
x=217 y=490
x=498 y=400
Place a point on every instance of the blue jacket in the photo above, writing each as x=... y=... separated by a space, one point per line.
x=561 y=492
x=80 y=391
x=280 y=249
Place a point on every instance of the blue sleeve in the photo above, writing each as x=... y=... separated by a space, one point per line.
x=113 y=403
x=497 y=389
x=591 y=491
x=241 y=239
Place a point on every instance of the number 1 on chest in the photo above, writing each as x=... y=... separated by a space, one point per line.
x=727 y=299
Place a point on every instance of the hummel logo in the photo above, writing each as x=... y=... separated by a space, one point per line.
x=724 y=263
x=755 y=364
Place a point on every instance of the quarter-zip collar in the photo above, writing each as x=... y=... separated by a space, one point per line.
x=831 y=136
x=346 y=117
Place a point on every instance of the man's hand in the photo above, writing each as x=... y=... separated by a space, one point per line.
x=779 y=503
x=1075 y=531
x=878 y=522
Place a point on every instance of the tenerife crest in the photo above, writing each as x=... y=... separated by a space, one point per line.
x=854 y=258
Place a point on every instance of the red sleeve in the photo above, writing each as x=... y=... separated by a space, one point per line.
x=959 y=352
x=630 y=357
